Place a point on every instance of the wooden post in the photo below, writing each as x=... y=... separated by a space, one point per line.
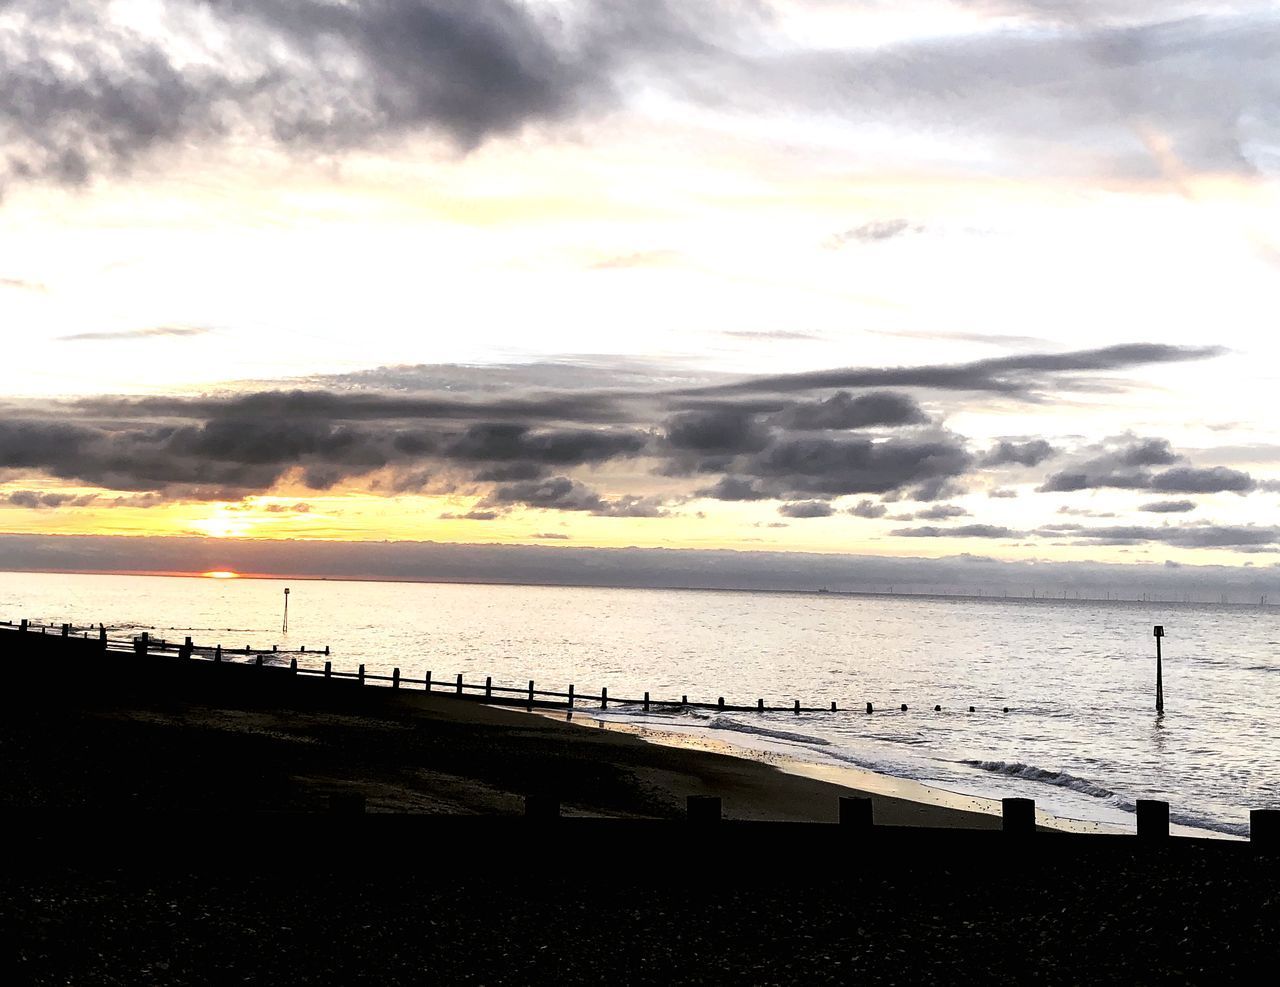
x=1264 y=830
x=531 y=694
x=646 y=702
x=855 y=812
x=702 y=809
x=395 y=678
x=541 y=808
x=903 y=707
x=570 y=697
x=937 y=708
x=1019 y=816
x=141 y=645
x=326 y=649
x=293 y=666
x=684 y=700
x=604 y=698
x=870 y=708
x=833 y=706
x=459 y=684
x=23 y=627
x=1159 y=633
x=258 y=661
x=797 y=707
x=759 y=705
x=66 y=630
x=217 y=653
x=187 y=648
x=488 y=687
x=428 y=680
x=720 y=704
x=361 y=676
x=275 y=648
x=1153 y=819
x=328 y=669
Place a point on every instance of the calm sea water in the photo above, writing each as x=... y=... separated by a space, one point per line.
x=1081 y=737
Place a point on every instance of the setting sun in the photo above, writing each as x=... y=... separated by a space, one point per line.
x=220 y=574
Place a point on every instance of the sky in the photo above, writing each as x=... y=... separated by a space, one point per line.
x=956 y=281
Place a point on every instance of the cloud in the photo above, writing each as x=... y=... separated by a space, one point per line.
x=1183 y=536
x=1169 y=507
x=941 y=512
x=1011 y=374
x=868 y=509
x=155 y=332
x=960 y=531
x=844 y=411
x=558 y=493
x=1002 y=493
x=874 y=231
x=806 y=508
x=470 y=516
x=35 y=500
x=1126 y=464
x=716 y=431
x=735 y=488
x=1006 y=453
x=550 y=536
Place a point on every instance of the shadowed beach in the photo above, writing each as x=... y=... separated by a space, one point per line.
x=175 y=822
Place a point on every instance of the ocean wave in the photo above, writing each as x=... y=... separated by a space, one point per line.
x=723 y=723
x=1030 y=772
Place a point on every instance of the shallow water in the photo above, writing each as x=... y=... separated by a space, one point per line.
x=1081 y=736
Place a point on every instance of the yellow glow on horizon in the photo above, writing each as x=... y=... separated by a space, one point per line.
x=220 y=574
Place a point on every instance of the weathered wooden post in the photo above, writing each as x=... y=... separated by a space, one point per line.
x=395 y=678
x=903 y=707
x=293 y=666
x=833 y=706
x=1019 y=816
x=530 y=707
x=275 y=648
x=1264 y=830
x=684 y=700
x=720 y=704
x=646 y=702
x=759 y=705
x=102 y=636
x=702 y=809
x=604 y=698
x=797 y=707
x=22 y=628
x=142 y=643
x=1159 y=633
x=870 y=708
x=570 y=697
x=459 y=684
x=488 y=687
x=1153 y=819
x=360 y=677
x=217 y=653
x=328 y=669
x=258 y=661
x=326 y=649
x=855 y=812
x=66 y=630
x=428 y=680
x=187 y=648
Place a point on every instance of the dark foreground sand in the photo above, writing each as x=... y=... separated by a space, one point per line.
x=166 y=827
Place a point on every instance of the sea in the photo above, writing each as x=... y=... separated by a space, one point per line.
x=1081 y=734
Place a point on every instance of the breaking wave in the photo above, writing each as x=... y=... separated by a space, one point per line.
x=1030 y=772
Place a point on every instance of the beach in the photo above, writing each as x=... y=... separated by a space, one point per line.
x=177 y=828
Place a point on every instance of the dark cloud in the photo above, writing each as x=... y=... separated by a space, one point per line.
x=809 y=466
x=506 y=441
x=1182 y=536
x=716 y=432
x=1216 y=479
x=844 y=411
x=155 y=332
x=1127 y=463
x=1169 y=507
x=1009 y=453
x=471 y=516
x=558 y=493
x=735 y=488
x=1010 y=375
x=45 y=500
x=960 y=531
x=806 y=508
x=941 y=512
x=868 y=509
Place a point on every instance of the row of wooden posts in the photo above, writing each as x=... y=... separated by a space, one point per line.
x=1018 y=815
x=529 y=697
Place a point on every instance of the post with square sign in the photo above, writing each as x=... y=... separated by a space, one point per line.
x=1159 y=633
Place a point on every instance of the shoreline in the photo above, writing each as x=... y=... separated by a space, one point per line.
x=867 y=781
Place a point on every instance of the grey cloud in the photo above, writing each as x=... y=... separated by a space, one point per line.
x=1012 y=374
x=810 y=466
x=41 y=500
x=1184 y=536
x=868 y=509
x=551 y=536
x=875 y=231
x=1008 y=453
x=718 y=431
x=508 y=441
x=1126 y=462
x=470 y=516
x=941 y=512
x=154 y=332
x=1002 y=494
x=1216 y=479
x=806 y=508
x=960 y=531
x=558 y=493
x=735 y=488
x=844 y=411
x=1169 y=507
